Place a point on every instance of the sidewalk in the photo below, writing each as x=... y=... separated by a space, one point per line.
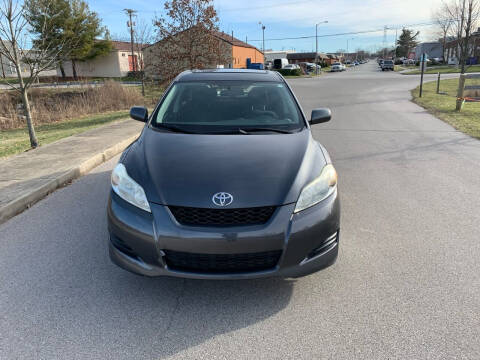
x=30 y=176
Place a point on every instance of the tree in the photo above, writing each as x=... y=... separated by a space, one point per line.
x=73 y=23
x=187 y=38
x=85 y=26
x=43 y=55
x=464 y=15
x=406 y=42
x=142 y=35
x=444 y=24
x=57 y=12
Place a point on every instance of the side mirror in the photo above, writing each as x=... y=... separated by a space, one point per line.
x=139 y=113
x=320 y=116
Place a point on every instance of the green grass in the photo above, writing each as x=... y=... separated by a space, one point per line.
x=444 y=70
x=6 y=81
x=16 y=140
x=443 y=105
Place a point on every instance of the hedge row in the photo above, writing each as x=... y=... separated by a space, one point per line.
x=290 y=72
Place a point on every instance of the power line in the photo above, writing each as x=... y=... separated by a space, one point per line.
x=346 y=33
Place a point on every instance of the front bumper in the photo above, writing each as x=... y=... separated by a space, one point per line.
x=308 y=240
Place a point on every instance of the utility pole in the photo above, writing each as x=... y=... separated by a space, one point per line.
x=347 y=45
x=395 y=45
x=316 y=44
x=130 y=24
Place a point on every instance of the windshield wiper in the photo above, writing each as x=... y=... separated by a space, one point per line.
x=252 y=130
x=174 y=128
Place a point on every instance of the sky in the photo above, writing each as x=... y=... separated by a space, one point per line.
x=297 y=18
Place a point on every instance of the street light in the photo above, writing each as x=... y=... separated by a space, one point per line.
x=263 y=39
x=316 y=44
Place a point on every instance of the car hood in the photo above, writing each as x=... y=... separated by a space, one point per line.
x=257 y=170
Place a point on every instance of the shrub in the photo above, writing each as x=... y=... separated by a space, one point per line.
x=290 y=72
x=50 y=105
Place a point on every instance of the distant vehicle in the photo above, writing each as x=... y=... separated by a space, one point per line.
x=310 y=66
x=337 y=66
x=356 y=63
x=408 y=62
x=291 y=67
x=388 y=65
x=452 y=61
x=268 y=65
x=380 y=62
x=279 y=63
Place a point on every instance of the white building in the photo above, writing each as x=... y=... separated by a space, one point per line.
x=115 y=64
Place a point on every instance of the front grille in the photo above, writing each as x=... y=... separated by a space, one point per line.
x=222 y=263
x=222 y=217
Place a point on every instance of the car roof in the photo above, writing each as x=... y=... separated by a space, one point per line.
x=229 y=74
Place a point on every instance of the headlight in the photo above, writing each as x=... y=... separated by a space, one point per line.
x=318 y=189
x=125 y=187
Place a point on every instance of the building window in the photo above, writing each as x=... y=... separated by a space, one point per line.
x=123 y=54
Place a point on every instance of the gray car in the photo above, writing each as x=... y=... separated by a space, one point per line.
x=225 y=182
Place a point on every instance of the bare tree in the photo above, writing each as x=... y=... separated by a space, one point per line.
x=443 y=21
x=28 y=64
x=143 y=35
x=188 y=39
x=464 y=15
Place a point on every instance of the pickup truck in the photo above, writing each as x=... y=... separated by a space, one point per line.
x=387 y=65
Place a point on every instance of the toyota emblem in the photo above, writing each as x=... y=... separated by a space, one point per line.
x=222 y=199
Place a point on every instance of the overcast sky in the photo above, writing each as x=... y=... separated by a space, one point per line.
x=295 y=18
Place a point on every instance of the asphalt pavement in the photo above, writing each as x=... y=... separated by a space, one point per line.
x=406 y=284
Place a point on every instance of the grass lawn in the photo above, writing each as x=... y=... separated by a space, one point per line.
x=444 y=70
x=16 y=140
x=443 y=106
x=404 y=67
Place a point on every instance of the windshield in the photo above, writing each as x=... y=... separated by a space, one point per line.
x=222 y=106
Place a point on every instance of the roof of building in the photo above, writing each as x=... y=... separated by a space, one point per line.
x=125 y=45
x=231 y=40
x=222 y=36
x=229 y=74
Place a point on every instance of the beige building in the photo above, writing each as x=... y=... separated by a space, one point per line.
x=116 y=64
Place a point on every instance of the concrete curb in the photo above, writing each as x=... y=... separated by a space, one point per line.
x=18 y=205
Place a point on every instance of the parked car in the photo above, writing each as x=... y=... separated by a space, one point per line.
x=181 y=205
x=310 y=67
x=337 y=66
x=291 y=67
x=409 y=62
x=388 y=65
